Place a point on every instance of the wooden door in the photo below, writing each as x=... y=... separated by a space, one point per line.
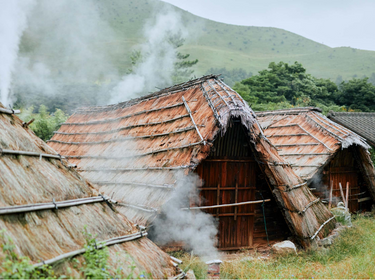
x=345 y=175
x=229 y=181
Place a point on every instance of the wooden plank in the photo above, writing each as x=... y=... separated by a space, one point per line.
x=330 y=196
x=235 y=201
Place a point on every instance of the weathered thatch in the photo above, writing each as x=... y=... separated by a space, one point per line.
x=321 y=150
x=34 y=175
x=133 y=149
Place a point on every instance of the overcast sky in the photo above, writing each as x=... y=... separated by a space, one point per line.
x=334 y=23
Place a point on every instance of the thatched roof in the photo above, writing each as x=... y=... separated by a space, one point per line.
x=33 y=178
x=132 y=150
x=362 y=123
x=308 y=140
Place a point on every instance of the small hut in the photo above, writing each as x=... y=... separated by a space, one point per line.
x=135 y=151
x=45 y=206
x=362 y=123
x=324 y=154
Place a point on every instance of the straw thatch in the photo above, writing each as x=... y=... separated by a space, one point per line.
x=133 y=150
x=27 y=179
x=309 y=141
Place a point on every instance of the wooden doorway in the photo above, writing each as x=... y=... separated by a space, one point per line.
x=229 y=181
x=229 y=175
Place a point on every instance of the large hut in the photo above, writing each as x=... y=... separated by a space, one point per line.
x=136 y=151
x=324 y=154
x=45 y=207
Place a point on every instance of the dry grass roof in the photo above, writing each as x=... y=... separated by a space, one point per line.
x=133 y=149
x=27 y=178
x=308 y=140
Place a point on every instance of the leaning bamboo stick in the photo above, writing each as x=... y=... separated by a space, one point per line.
x=320 y=228
x=227 y=205
x=192 y=119
x=330 y=196
x=342 y=194
x=347 y=195
x=108 y=242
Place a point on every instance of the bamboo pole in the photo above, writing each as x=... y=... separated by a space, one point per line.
x=9 y=111
x=213 y=88
x=347 y=195
x=320 y=228
x=330 y=196
x=25 y=153
x=105 y=243
x=321 y=126
x=306 y=154
x=287 y=135
x=227 y=92
x=126 y=127
x=165 y=186
x=342 y=194
x=136 y=169
x=227 y=205
x=126 y=116
x=122 y=139
x=192 y=119
x=52 y=205
x=321 y=142
x=309 y=205
x=137 y=155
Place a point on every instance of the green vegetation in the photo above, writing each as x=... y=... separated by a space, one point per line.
x=351 y=256
x=44 y=123
x=94 y=266
x=372 y=154
x=15 y=267
x=285 y=86
x=214 y=44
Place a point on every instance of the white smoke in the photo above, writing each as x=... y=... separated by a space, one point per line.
x=196 y=229
x=158 y=58
x=13 y=21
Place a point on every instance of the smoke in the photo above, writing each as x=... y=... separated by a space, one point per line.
x=197 y=230
x=13 y=21
x=66 y=55
x=158 y=56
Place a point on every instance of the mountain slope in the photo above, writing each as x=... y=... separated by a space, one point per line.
x=214 y=44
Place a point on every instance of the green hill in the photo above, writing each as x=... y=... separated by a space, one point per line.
x=214 y=44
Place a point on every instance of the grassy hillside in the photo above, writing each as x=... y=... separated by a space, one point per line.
x=252 y=48
x=214 y=44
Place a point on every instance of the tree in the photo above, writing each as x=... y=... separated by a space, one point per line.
x=357 y=94
x=282 y=82
x=44 y=123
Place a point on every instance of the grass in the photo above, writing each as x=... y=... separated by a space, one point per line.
x=351 y=256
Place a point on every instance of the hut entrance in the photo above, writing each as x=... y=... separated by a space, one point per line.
x=229 y=175
x=344 y=169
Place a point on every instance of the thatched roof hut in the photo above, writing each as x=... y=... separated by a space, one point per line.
x=133 y=149
x=45 y=206
x=323 y=153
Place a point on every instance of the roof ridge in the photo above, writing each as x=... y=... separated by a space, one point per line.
x=332 y=113
x=167 y=90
